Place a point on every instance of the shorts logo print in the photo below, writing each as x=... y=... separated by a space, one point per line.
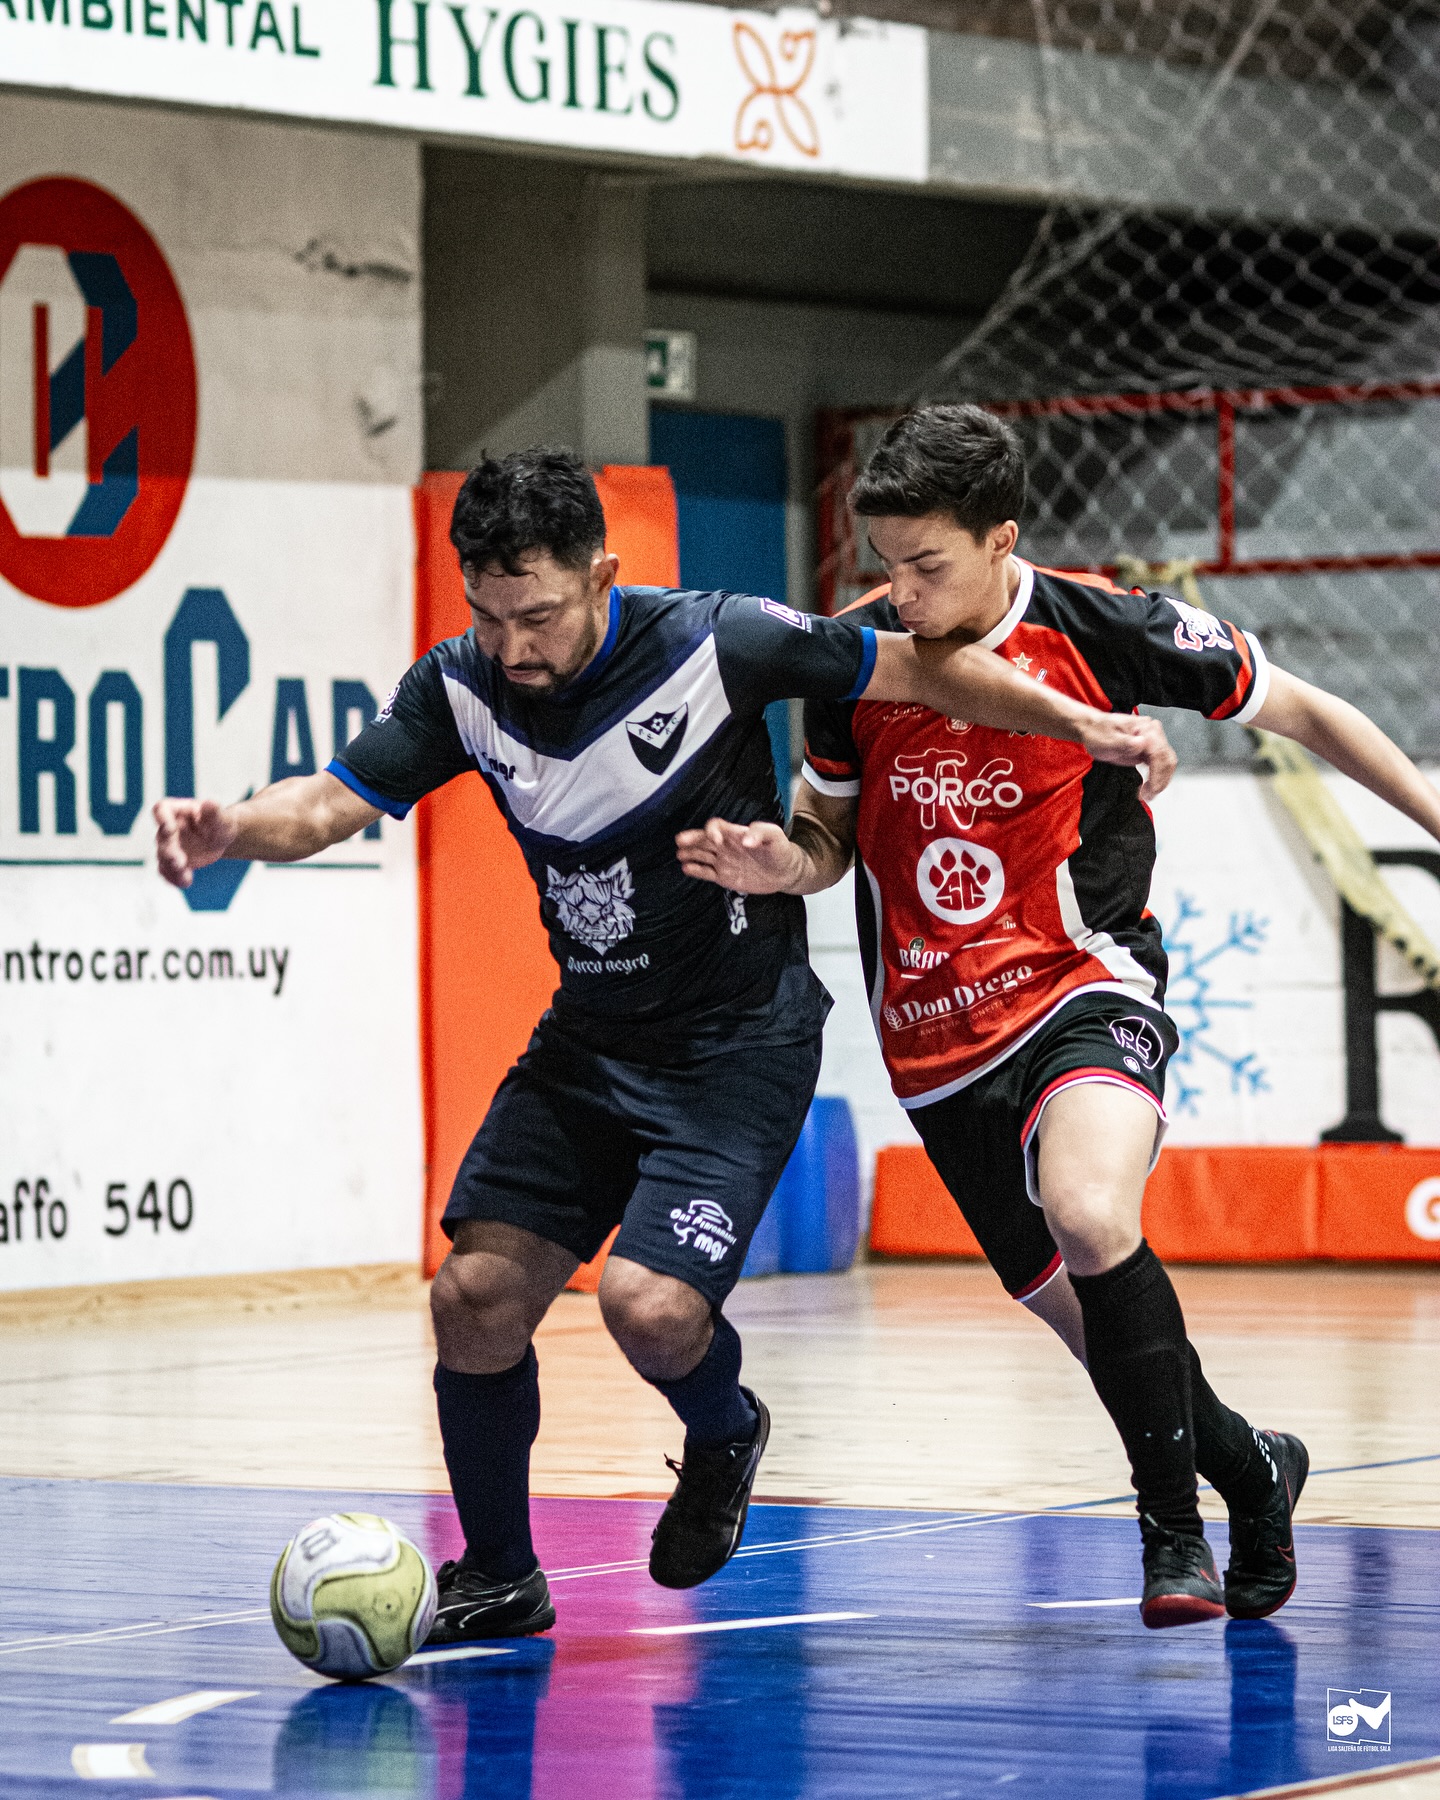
x=1140 y=1041
x=593 y=908
x=656 y=739
x=960 y=882
x=706 y=1225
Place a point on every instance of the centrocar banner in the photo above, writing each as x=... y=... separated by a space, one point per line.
x=654 y=77
x=226 y=1079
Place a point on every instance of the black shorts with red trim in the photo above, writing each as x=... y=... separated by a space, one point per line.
x=983 y=1140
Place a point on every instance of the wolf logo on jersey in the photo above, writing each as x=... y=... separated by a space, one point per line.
x=593 y=908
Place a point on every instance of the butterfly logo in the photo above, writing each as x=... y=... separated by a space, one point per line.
x=774 y=97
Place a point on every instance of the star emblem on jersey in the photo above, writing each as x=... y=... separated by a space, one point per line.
x=593 y=908
x=960 y=882
x=656 y=739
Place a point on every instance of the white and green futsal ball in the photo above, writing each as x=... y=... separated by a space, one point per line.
x=352 y=1597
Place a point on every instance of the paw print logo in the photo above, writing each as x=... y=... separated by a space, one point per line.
x=960 y=882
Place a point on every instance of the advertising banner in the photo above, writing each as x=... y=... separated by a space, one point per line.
x=650 y=77
x=225 y=1079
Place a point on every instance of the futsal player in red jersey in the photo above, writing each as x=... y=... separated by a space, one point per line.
x=1015 y=973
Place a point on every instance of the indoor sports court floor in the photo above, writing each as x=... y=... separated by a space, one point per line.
x=937 y=1597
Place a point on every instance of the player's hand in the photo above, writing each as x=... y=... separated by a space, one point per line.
x=189 y=835
x=1134 y=742
x=748 y=859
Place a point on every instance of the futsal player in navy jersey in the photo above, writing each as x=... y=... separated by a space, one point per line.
x=1016 y=974
x=664 y=1089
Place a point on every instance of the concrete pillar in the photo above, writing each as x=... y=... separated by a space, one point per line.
x=534 y=309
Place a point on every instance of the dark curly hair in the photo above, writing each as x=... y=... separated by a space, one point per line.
x=510 y=507
x=959 y=460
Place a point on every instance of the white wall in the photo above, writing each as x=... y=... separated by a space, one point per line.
x=289 y=1106
x=1252 y=929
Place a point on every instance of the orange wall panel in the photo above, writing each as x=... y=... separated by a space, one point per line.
x=1242 y=1203
x=1226 y=1203
x=486 y=973
x=913 y=1214
x=1370 y=1209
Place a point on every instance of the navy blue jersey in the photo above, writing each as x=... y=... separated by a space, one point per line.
x=663 y=730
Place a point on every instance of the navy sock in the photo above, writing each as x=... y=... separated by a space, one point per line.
x=708 y=1400
x=1139 y=1360
x=487 y=1425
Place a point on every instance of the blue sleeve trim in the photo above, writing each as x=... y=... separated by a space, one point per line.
x=336 y=768
x=867 y=663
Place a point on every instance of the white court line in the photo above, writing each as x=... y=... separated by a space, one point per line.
x=113 y=1633
x=744 y=1624
x=458 y=1654
x=787 y=1546
x=184 y=1706
x=110 y=1762
x=1059 y=1605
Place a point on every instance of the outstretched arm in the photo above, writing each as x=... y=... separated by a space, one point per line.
x=762 y=859
x=282 y=823
x=1349 y=742
x=964 y=682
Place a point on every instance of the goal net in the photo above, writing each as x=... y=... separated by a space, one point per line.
x=1223 y=344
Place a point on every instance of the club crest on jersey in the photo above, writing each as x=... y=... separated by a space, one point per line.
x=594 y=908
x=656 y=739
x=960 y=882
x=1199 y=630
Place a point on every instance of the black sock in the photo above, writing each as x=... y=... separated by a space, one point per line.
x=487 y=1425
x=1226 y=1452
x=1139 y=1360
x=708 y=1400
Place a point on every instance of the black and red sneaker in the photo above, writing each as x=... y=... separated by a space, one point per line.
x=1261 y=1576
x=1181 y=1584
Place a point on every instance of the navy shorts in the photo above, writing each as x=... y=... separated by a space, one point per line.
x=684 y=1160
x=983 y=1140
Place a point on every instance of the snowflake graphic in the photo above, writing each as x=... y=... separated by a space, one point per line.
x=1192 y=1003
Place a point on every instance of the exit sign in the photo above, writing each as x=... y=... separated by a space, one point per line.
x=670 y=364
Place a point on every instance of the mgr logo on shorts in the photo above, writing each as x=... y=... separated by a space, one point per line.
x=1139 y=1039
x=959 y=881
x=707 y=1225
x=97 y=394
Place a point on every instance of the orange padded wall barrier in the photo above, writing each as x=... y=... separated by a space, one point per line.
x=1244 y=1203
x=1221 y=1204
x=486 y=973
x=913 y=1214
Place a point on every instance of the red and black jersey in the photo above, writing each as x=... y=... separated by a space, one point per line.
x=1000 y=873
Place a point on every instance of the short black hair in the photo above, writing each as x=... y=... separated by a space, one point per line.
x=959 y=460
x=510 y=507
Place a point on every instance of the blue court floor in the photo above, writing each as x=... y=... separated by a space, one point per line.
x=912 y=1654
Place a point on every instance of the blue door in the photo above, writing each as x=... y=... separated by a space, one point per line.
x=730 y=485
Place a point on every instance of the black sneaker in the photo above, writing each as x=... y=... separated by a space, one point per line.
x=474 y=1606
x=704 y=1519
x=1261 y=1576
x=1181 y=1585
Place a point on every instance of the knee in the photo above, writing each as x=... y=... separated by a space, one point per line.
x=1094 y=1225
x=482 y=1322
x=661 y=1324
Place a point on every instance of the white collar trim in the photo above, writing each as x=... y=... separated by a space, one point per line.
x=993 y=639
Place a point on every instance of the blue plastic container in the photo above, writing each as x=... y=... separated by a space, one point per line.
x=812 y=1224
